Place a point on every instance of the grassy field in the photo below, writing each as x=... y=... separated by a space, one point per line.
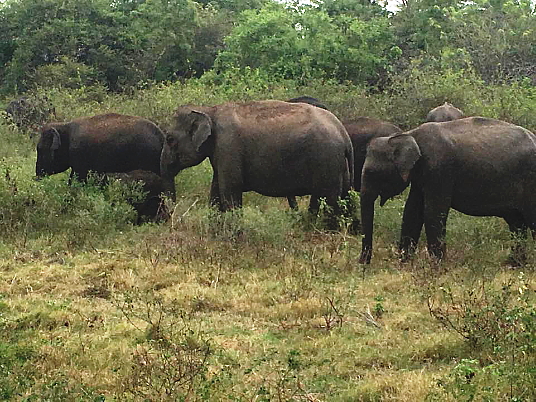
x=258 y=306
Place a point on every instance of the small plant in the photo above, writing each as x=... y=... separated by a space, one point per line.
x=379 y=309
x=332 y=316
x=284 y=382
x=171 y=359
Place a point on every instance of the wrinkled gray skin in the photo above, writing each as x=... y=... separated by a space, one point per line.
x=361 y=131
x=102 y=143
x=274 y=148
x=152 y=206
x=478 y=166
x=445 y=112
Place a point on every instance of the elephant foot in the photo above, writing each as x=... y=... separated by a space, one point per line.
x=515 y=261
x=406 y=254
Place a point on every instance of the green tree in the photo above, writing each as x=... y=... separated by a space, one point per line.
x=499 y=36
x=124 y=42
x=306 y=42
x=267 y=38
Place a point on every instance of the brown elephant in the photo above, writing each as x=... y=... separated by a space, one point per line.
x=272 y=147
x=361 y=131
x=476 y=165
x=102 y=143
x=151 y=206
x=444 y=112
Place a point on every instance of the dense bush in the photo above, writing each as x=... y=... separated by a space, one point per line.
x=55 y=214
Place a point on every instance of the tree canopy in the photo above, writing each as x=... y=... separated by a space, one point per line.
x=121 y=44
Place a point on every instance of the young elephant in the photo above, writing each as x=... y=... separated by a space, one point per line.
x=274 y=148
x=151 y=206
x=103 y=143
x=445 y=112
x=478 y=166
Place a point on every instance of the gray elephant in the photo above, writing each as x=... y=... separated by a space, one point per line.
x=151 y=207
x=361 y=131
x=478 y=166
x=103 y=143
x=272 y=147
x=445 y=112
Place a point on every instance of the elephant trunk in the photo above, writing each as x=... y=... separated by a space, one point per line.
x=367 y=223
x=40 y=172
x=165 y=171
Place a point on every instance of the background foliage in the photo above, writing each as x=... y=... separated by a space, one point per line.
x=124 y=43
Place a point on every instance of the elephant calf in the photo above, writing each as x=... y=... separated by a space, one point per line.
x=476 y=165
x=445 y=112
x=151 y=206
x=102 y=143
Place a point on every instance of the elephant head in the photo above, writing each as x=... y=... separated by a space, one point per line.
x=386 y=173
x=186 y=142
x=52 y=151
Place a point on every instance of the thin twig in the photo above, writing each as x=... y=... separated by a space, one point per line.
x=183 y=215
x=368 y=318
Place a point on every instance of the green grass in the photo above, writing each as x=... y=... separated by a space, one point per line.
x=259 y=306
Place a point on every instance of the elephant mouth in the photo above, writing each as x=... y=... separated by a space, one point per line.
x=171 y=170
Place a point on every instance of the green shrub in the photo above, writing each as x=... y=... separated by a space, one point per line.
x=499 y=325
x=66 y=74
x=54 y=212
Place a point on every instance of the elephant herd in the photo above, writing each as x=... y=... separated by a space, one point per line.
x=476 y=165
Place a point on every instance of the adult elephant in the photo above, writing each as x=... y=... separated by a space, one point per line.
x=361 y=131
x=272 y=147
x=444 y=112
x=102 y=143
x=476 y=165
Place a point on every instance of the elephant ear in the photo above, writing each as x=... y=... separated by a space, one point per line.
x=201 y=129
x=56 y=139
x=406 y=153
x=52 y=134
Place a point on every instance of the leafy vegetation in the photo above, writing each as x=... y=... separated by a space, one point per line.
x=263 y=304
x=124 y=44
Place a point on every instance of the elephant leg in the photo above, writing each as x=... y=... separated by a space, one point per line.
x=412 y=222
x=331 y=202
x=335 y=212
x=71 y=178
x=436 y=210
x=215 y=200
x=230 y=199
x=292 y=203
x=81 y=176
x=518 y=228
x=314 y=205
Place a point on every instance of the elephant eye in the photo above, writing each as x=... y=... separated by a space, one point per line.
x=170 y=140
